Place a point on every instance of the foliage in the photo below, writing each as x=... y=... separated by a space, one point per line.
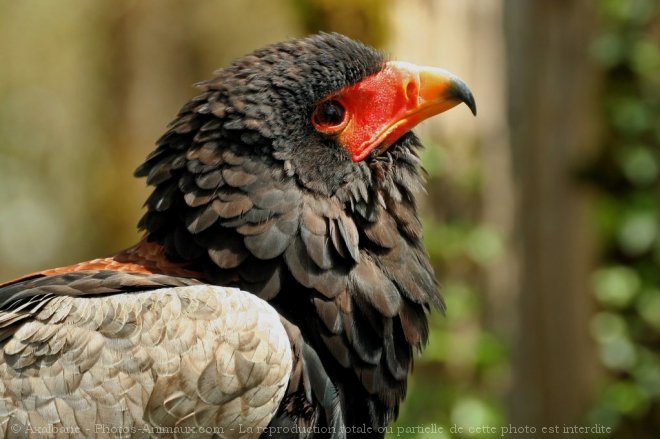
x=627 y=284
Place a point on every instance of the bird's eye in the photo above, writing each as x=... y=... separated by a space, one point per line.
x=329 y=115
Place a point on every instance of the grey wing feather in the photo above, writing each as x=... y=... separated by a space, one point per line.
x=168 y=363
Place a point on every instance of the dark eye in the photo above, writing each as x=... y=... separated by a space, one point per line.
x=329 y=114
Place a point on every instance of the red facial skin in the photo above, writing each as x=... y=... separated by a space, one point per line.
x=383 y=107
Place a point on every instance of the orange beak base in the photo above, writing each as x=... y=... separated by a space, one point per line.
x=385 y=106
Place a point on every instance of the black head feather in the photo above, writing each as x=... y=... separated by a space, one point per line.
x=267 y=98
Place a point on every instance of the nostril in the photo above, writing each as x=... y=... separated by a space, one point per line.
x=411 y=91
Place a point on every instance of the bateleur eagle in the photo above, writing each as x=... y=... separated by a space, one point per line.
x=282 y=284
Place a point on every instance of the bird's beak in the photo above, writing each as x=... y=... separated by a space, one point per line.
x=385 y=106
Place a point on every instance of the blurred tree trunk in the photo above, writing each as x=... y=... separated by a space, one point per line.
x=364 y=20
x=499 y=193
x=551 y=117
x=150 y=73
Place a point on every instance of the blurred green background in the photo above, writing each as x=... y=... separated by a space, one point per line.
x=542 y=214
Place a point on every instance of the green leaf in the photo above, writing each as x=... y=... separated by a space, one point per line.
x=470 y=412
x=626 y=397
x=648 y=307
x=640 y=166
x=616 y=286
x=484 y=244
x=608 y=326
x=638 y=232
x=618 y=354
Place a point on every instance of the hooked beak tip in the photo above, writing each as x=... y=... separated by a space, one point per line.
x=459 y=91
